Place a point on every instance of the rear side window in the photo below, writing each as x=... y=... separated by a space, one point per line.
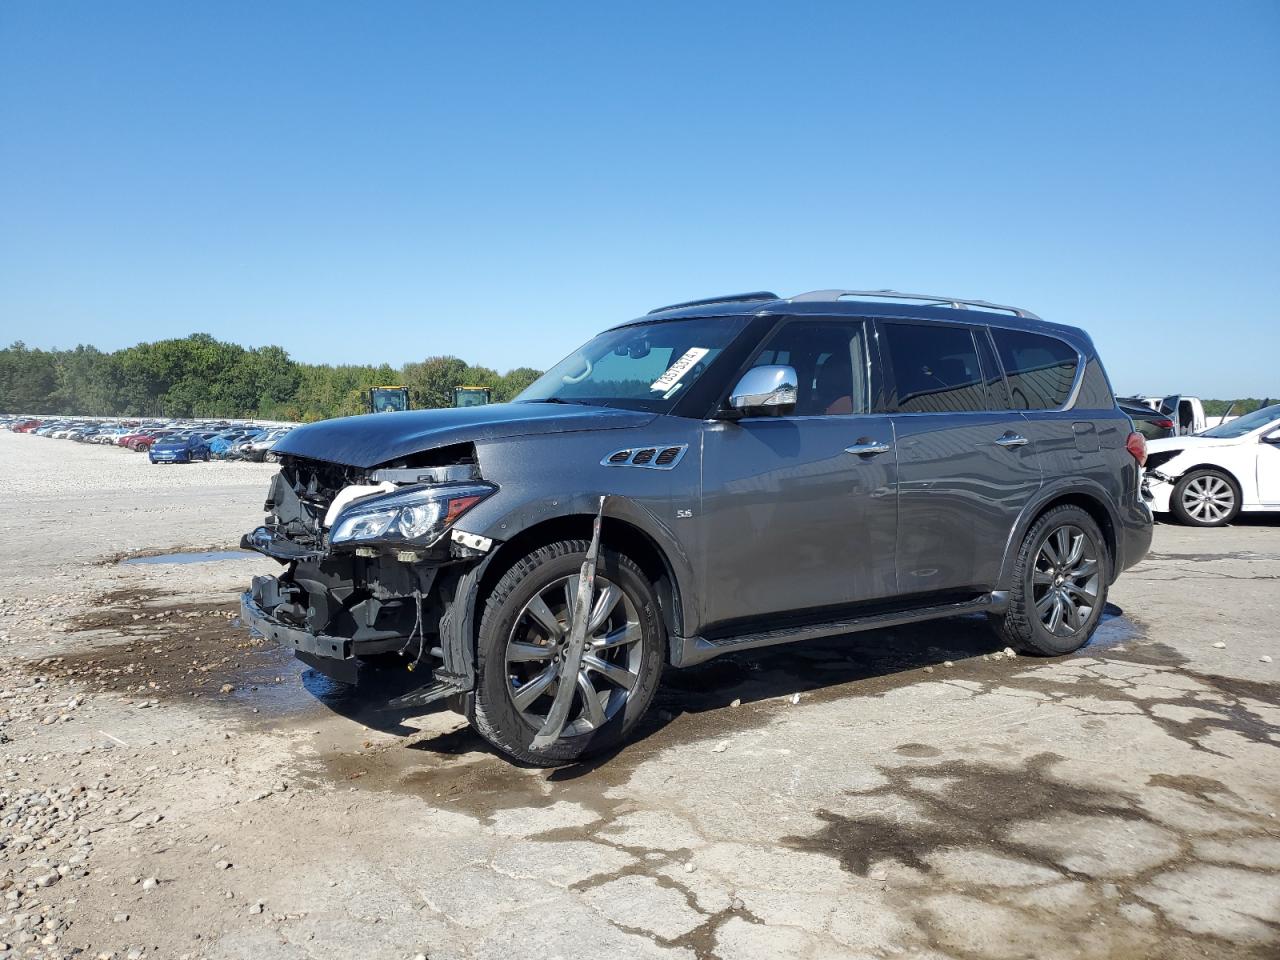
x=935 y=369
x=1040 y=370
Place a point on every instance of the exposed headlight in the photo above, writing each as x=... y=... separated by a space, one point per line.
x=418 y=516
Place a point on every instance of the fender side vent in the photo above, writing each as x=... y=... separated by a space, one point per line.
x=650 y=458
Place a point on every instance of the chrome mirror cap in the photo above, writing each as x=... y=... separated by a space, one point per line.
x=769 y=390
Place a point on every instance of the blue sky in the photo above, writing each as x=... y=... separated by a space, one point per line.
x=383 y=182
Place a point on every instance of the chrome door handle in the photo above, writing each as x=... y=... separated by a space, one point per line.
x=868 y=448
x=1012 y=440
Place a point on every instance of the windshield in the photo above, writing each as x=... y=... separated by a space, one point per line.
x=1246 y=424
x=643 y=367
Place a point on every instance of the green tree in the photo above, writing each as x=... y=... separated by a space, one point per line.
x=513 y=381
x=431 y=382
x=201 y=376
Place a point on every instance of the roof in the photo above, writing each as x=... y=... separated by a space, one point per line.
x=859 y=303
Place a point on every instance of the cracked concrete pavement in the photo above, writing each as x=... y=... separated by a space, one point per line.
x=925 y=797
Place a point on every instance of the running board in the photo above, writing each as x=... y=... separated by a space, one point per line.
x=687 y=651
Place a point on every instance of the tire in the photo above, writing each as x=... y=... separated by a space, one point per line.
x=1206 y=498
x=508 y=629
x=1076 y=590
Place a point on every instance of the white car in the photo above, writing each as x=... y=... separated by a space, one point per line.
x=1206 y=480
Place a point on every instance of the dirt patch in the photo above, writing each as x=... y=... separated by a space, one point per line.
x=169 y=650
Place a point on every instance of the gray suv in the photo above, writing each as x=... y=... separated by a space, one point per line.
x=716 y=476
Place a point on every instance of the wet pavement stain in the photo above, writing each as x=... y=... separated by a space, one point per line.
x=974 y=805
x=998 y=811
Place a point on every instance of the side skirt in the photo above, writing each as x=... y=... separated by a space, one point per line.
x=687 y=651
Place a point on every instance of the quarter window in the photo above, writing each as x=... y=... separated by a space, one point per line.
x=1040 y=370
x=935 y=368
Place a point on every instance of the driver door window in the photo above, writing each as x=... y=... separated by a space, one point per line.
x=830 y=360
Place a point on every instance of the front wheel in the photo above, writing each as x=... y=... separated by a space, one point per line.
x=521 y=646
x=1205 y=498
x=1060 y=584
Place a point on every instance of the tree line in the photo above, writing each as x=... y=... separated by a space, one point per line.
x=200 y=376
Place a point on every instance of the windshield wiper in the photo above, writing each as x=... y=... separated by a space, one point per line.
x=552 y=400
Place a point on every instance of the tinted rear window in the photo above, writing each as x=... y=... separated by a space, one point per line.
x=935 y=369
x=1040 y=370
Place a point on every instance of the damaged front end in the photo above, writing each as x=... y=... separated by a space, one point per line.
x=373 y=565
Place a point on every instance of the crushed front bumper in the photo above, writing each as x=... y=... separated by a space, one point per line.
x=1157 y=490
x=332 y=656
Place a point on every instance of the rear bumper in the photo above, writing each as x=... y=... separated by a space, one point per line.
x=1133 y=535
x=332 y=656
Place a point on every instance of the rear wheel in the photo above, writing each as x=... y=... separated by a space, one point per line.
x=1205 y=498
x=1060 y=584
x=522 y=638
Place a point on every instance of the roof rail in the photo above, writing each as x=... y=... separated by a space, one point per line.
x=732 y=298
x=956 y=302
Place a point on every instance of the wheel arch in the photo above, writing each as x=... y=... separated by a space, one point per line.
x=1216 y=468
x=621 y=531
x=1093 y=500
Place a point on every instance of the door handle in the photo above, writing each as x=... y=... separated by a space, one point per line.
x=1012 y=440
x=866 y=447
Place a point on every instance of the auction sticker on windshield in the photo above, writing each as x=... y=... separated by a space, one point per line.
x=679 y=368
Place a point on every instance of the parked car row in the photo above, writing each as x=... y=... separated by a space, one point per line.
x=164 y=441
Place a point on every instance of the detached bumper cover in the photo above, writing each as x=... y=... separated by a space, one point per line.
x=332 y=656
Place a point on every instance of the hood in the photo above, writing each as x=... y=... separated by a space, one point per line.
x=378 y=438
x=1187 y=443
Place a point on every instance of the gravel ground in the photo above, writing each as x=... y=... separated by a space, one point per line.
x=170 y=787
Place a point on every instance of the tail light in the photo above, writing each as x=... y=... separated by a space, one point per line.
x=1165 y=424
x=1137 y=445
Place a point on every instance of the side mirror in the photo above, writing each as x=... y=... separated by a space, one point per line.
x=1272 y=437
x=765 y=391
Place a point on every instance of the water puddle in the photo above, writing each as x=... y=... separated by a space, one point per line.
x=206 y=556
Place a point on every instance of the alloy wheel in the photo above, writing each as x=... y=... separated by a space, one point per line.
x=1066 y=580
x=611 y=659
x=1208 y=499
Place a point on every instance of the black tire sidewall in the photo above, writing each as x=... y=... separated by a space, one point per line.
x=1175 y=501
x=1039 y=639
x=492 y=711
